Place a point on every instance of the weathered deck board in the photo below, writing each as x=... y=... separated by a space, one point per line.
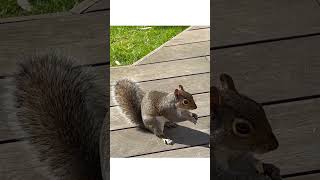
x=294 y=125
x=237 y=22
x=193 y=84
x=208 y=58
x=33 y=17
x=99 y=6
x=297 y=128
x=83 y=6
x=178 y=52
x=16 y=163
x=273 y=71
x=70 y=34
x=305 y=177
x=131 y=142
x=198 y=27
x=5 y=130
x=155 y=71
x=190 y=37
x=190 y=152
x=119 y=121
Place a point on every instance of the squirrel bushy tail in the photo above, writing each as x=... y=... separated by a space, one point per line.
x=61 y=108
x=129 y=96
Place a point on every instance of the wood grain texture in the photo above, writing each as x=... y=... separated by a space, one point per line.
x=190 y=152
x=8 y=127
x=208 y=58
x=156 y=71
x=297 y=128
x=198 y=83
x=272 y=71
x=119 y=121
x=83 y=6
x=99 y=6
x=254 y=20
x=305 y=177
x=178 y=52
x=294 y=125
x=17 y=163
x=131 y=142
x=69 y=35
x=33 y=17
x=190 y=37
x=198 y=27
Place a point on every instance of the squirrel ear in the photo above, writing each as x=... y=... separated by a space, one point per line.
x=176 y=92
x=215 y=98
x=181 y=87
x=227 y=82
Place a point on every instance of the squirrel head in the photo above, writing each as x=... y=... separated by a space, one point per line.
x=239 y=122
x=184 y=99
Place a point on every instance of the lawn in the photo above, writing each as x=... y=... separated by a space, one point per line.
x=130 y=43
x=10 y=8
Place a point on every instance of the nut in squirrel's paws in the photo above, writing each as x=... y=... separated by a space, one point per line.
x=271 y=171
x=168 y=141
x=195 y=118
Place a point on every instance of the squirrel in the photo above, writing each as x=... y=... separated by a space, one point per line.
x=155 y=110
x=61 y=108
x=240 y=130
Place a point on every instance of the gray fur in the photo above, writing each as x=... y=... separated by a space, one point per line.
x=61 y=108
x=149 y=109
x=129 y=96
x=232 y=155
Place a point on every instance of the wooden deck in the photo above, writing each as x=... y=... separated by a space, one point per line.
x=183 y=60
x=271 y=49
x=81 y=33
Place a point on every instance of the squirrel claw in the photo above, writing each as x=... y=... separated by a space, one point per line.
x=168 y=141
x=194 y=118
x=272 y=171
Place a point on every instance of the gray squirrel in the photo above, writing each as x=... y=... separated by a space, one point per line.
x=239 y=129
x=63 y=112
x=155 y=110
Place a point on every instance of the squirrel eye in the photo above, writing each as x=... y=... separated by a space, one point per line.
x=242 y=128
x=185 y=102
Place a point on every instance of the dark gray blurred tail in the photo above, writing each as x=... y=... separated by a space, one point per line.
x=62 y=109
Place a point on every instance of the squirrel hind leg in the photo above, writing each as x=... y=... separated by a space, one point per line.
x=156 y=124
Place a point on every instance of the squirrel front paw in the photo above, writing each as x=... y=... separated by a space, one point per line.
x=272 y=171
x=168 y=141
x=194 y=118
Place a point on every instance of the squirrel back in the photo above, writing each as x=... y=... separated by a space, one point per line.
x=61 y=108
x=129 y=96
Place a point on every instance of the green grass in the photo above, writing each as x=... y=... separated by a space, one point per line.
x=10 y=8
x=130 y=43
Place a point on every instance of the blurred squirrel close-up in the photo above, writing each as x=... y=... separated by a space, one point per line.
x=63 y=112
x=240 y=129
